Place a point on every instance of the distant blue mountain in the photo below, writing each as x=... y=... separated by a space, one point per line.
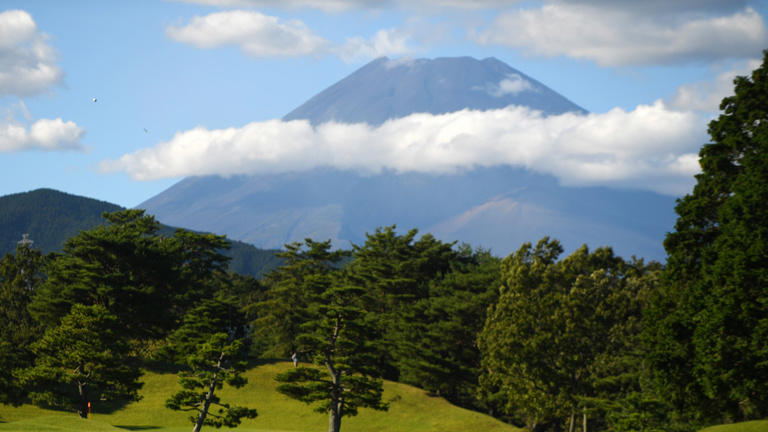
x=498 y=207
x=385 y=89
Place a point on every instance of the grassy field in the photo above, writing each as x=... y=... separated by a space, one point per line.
x=751 y=426
x=411 y=410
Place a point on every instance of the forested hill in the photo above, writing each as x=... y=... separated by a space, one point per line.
x=50 y=217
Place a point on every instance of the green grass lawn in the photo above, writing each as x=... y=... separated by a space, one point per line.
x=750 y=426
x=411 y=410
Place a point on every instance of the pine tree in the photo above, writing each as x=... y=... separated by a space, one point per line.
x=211 y=344
x=343 y=343
x=291 y=288
x=146 y=279
x=20 y=275
x=84 y=359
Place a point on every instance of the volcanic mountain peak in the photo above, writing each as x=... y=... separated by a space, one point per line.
x=385 y=89
x=498 y=207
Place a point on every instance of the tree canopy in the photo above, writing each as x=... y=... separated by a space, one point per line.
x=147 y=280
x=84 y=359
x=711 y=320
x=340 y=337
x=557 y=332
x=211 y=344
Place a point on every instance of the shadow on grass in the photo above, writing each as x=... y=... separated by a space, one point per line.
x=137 y=428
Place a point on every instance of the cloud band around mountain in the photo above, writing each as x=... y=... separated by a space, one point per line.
x=651 y=147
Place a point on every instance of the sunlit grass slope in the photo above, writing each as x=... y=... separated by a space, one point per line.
x=410 y=410
x=751 y=426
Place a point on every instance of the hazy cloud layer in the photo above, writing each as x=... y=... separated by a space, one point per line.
x=44 y=134
x=27 y=63
x=706 y=95
x=651 y=147
x=383 y=43
x=340 y=5
x=620 y=35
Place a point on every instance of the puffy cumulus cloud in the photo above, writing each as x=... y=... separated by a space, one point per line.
x=256 y=34
x=615 y=35
x=27 y=63
x=706 y=96
x=657 y=7
x=383 y=43
x=342 y=5
x=651 y=147
x=44 y=134
x=326 y=5
x=260 y=35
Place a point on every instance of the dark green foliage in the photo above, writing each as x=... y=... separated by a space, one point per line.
x=559 y=341
x=84 y=359
x=396 y=272
x=51 y=217
x=146 y=279
x=341 y=337
x=292 y=289
x=210 y=344
x=20 y=275
x=440 y=338
x=124 y=266
x=709 y=325
x=245 y=259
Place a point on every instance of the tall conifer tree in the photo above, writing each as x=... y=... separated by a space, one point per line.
x=711 y=323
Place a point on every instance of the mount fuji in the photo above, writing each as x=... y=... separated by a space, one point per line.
x=497 y=207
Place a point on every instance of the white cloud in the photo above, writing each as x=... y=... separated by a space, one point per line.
x=617 y=35
x=512 y=84
x=342 y=5
x=256 y=34
x=651 y=147
x=706 y=95
x=44 y=134
x=260 y=35
x=27 y=63
x=383 y=43
x=326 y=5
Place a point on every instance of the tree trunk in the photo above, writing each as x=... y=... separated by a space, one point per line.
x=208 y=398
x=334 y=418
x=584 y=422
x=83 y=411
x=573 y=420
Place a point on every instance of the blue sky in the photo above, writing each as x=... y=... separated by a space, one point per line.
x=197 y=87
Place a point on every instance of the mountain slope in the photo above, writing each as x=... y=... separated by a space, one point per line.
x=50 y=217
x=496 y=207
x=385 y=89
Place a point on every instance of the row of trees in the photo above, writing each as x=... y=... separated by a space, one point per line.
x=589 y=341
x=79 y=326
x=82 y=324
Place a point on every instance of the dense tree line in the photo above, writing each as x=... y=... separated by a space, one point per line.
x=590 y=341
